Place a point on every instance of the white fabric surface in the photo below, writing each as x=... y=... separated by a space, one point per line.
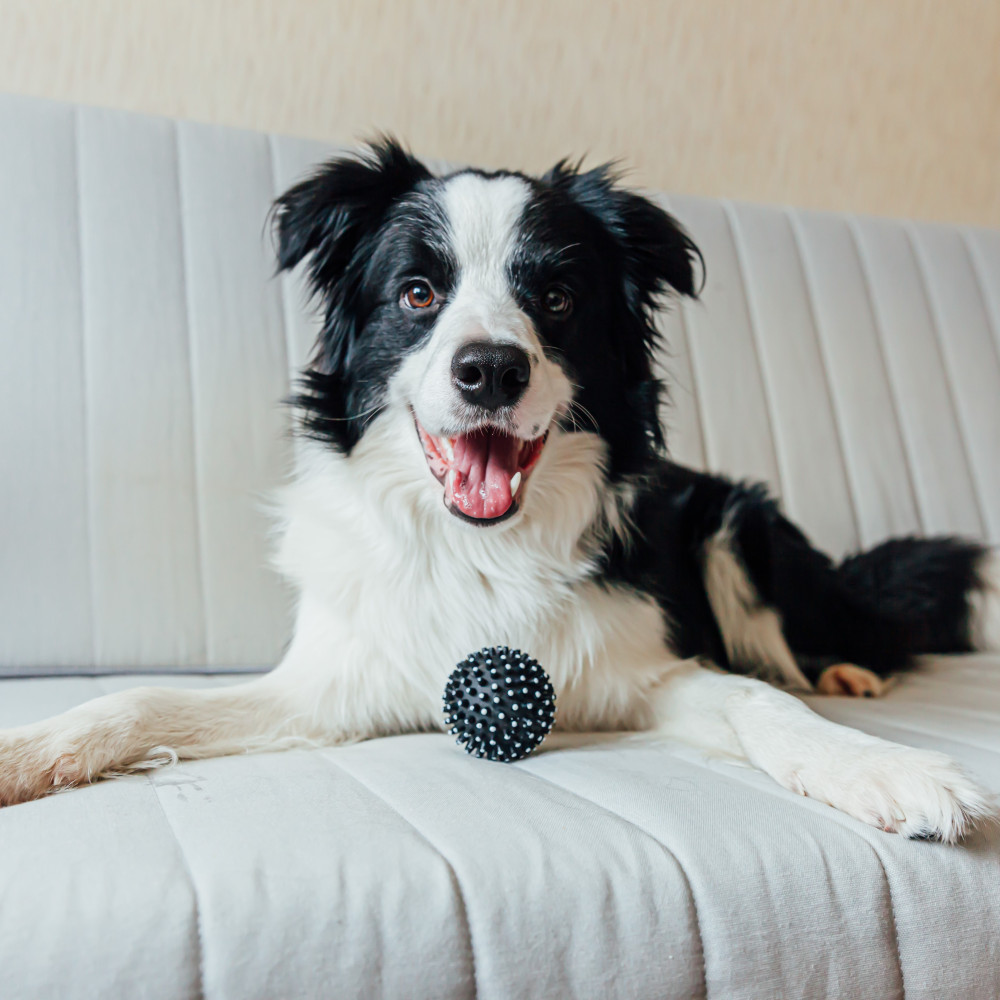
x=604 y=867
x=852 y=363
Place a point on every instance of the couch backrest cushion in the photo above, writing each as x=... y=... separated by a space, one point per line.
x=854 y=364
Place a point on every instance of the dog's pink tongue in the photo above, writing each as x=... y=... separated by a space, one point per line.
x=484 y=463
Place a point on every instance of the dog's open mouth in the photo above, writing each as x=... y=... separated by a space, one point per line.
x=482 y=471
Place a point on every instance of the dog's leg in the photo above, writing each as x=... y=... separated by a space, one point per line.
x=853 y=681
x=918 y=793
x=134 y=729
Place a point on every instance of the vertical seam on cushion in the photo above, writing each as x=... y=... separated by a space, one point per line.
x=460 y=893
x=88 y=458
x=698 y=402
x=838 y=425
x=892 y=913
x=845 y=822
x=886 y=371
x=991 y=318
x=733 y=226
x=933 y=313
x=842 y=820
x=656 y=840
x=279 y=277
x=200 y=957
x=195 y=449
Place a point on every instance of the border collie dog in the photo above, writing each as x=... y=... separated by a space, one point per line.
x=484 y=464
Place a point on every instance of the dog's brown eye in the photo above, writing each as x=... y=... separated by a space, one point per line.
x=419 y=295
x=557 y=301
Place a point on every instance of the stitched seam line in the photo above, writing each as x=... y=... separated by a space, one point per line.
x=199 y=498
x=88 y=458
x=766 y=391
x=656 y=840
x=933 y=313
x=681 y=306
x=895 y=924
x=699 y=401
x=280 y=278
x=992 y=322
x=842 y=819
x=200 y=965
x=447 y=863
x=918 y=505
x=935 y=734
x=991 y=318
x=838 y=422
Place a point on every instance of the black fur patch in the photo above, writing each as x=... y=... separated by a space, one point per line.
x=878 y=609
x=360 y=222
x=923 y=582
x=636 y=253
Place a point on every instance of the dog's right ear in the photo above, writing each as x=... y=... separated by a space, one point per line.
x=329 y=215
x=331 y=219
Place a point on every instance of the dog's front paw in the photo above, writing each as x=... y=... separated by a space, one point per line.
x=33 y=764
x=917 y=793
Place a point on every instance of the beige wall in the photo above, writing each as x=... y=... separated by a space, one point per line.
x=886 y=106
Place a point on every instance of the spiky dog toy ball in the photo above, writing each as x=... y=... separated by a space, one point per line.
x=499 y=704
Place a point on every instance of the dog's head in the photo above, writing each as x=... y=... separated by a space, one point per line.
x=496 y=309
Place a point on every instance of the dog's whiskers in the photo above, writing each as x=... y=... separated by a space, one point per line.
x=575 y=405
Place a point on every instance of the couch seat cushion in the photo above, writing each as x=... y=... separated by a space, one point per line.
x=606 y=866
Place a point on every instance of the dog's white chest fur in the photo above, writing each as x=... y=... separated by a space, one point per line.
x=394 y=594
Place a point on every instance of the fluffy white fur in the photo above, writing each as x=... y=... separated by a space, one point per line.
x=394 y=590
x=409 y=589
x=916 y=793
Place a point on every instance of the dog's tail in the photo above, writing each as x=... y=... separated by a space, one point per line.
x=878 y=609
x=928 y=595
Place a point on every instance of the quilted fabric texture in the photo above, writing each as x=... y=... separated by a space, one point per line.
x=853 y=364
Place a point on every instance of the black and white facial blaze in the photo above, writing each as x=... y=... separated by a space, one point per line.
x=481 y=387
x=493 y=307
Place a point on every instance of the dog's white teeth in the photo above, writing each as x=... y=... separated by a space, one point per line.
x=449 y=451
x=515 y=482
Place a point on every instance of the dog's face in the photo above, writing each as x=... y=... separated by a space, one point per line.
x=495 y=309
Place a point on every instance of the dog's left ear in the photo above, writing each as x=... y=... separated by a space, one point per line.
x=653 y=255
x=656 y=253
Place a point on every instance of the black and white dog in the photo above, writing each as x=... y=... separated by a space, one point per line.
x=485 y=465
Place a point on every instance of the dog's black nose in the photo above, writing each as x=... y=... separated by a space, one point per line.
x=490 y=375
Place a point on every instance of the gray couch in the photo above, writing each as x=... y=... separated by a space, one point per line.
x=852 y=363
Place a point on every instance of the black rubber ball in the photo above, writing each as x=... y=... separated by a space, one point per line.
x=499 y=704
